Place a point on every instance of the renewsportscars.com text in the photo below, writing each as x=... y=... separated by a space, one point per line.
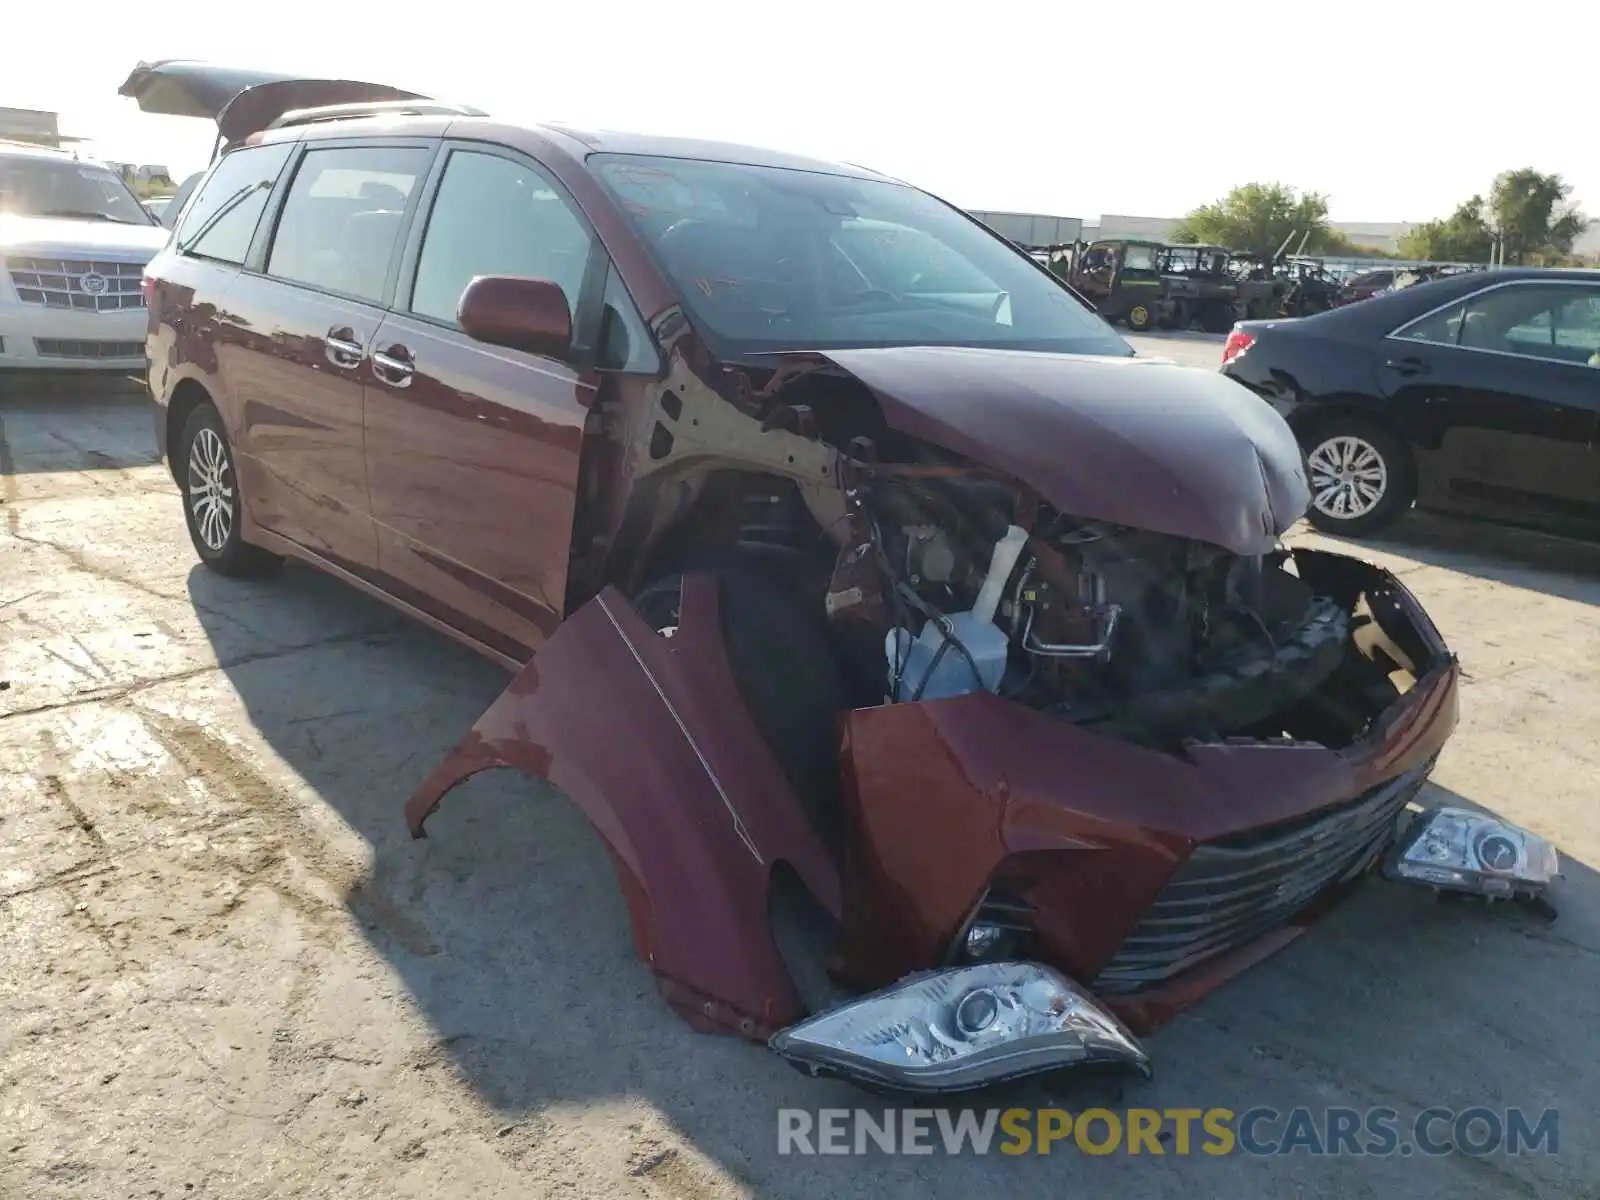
x=1377 y=1132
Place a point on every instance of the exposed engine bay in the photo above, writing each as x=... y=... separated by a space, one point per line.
x=939 y=576
x=1147 y=635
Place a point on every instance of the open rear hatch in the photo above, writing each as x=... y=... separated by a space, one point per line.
x=241 y=101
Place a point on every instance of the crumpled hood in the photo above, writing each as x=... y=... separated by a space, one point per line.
x=56 y=237
x=1170 y=449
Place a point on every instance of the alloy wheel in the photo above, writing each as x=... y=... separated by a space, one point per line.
x=1348 y=477
x=211 y=488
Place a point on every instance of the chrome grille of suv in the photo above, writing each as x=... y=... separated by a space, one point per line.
x=1230 y=892
x=59 y=283
x=83 y=348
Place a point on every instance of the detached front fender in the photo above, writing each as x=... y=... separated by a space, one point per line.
x=650 y=737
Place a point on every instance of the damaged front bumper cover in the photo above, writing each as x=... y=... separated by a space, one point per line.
x=650 y=737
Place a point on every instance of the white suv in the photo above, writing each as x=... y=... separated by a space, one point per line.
x=74 y=241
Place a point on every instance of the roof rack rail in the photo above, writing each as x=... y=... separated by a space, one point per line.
x=25 y=144
x=376 y=108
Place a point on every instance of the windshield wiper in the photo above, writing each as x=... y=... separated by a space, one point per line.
x=83 y=214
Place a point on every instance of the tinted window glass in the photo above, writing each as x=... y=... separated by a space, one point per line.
x=220 y=219
x=342 y=217
x=770 y=258
x=1559 y=322
x=495 y=216
x=1442 y=328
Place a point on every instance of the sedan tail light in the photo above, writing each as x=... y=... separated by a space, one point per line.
x=1238 y=342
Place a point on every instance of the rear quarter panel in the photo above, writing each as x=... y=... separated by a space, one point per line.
x=178 y=342
x=1304 y=372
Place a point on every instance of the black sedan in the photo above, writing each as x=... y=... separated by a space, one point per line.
x=1476 y=394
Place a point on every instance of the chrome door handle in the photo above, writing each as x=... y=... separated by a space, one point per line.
x=395 y=371
x=341 y=350
x=1407 y=366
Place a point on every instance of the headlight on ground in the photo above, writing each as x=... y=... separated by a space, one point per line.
x=1466 y=851
x=961 y=1028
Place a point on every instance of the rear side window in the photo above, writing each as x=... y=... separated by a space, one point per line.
x=497 y=216
x=342 y=217
x=1557 y=322
x=221 y=219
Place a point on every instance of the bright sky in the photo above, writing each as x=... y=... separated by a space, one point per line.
x=1396 y=109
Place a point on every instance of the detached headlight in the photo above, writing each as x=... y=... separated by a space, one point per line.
x=961 y=1028
x=1467 y=851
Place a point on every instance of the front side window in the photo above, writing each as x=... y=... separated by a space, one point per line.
x=497 y=216
x=1557 y=322
x=342 y=218
x=769 y=258
x=220 y=221
x=36 y=185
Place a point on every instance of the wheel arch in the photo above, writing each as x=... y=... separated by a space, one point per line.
x=1308 y=420
x=187 y=395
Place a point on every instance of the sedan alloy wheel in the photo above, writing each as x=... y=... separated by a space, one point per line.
x=211 y=490
x=1348 y=477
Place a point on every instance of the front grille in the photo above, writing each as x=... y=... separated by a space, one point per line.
x=78 y=284
x=1230 y=892
x=80 y=348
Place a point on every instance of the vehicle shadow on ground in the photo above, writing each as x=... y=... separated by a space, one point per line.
x=1522 y=558
x=507 y=927
x=110 y=420
x=1184 y=335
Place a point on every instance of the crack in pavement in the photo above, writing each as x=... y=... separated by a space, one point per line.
x=101 y=695
x=63 y=878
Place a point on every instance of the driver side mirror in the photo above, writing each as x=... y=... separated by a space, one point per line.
x=517 y=312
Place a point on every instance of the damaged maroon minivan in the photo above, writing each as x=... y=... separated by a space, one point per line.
x=840 y=552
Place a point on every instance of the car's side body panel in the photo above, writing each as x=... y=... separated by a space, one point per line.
x=296 y=404
x=648 y=736
x=473 y=469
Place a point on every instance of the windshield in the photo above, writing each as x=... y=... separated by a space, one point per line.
x=46 y=187
x=771 y=258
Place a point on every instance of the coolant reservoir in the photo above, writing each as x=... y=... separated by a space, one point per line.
x=924 y=670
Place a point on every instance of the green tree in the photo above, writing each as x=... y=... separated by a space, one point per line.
x=1532 y=215
x=1260 y=217
x=1463 y=236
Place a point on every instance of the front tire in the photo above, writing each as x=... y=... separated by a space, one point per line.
x=1360 y=474
x=1139 y=318
x=212 y=504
